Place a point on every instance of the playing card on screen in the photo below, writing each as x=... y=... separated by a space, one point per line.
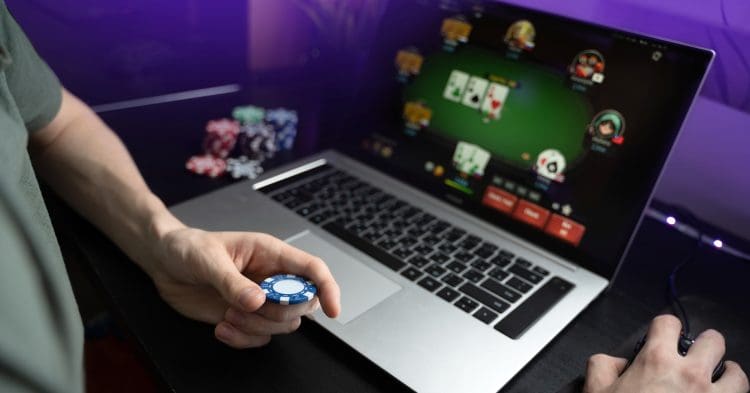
x=454 y=89
x=494 y=100
x=475 y=89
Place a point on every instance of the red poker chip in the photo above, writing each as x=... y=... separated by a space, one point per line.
x=206 y=165
x=223 y=127
x=219 y=146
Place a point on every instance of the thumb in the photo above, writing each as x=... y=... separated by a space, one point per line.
x=236 y=289
x=602 y=371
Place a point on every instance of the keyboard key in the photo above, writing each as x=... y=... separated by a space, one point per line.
x=448 y=294
x=431 y=240
x=474 y=239
x=429 y=284
x=419 y=261
x=447 y=248
x=454 y=234
x=468 y=244
x=522 y=262
x=452 y=280
x=399 y=224
x=506 y=254
x=392 y=233
x=439 y=226
x=540 y=270
x=411 y=273
x=473 y=276
x=499 y=274
x=387 y=244
x=372 y=237
x=435 y=270
x=456 y=267
x=410 y=212
x=528 y=312
x=525 y=274
x=397 y=205
x=489 y=246
x=481 y=265
x=415 y=231
x=424 y=219
x=485 y=315
x=422 y=249
x=403 y=253
x=308 y=210
x=466 y=304
x=464 y=257
x=318 y=218
x=367 y=248
x=502 y=260
x=357 y=228
x=483 y=252
x=518 y=284
x=281 y=197
x=440 y=258
x=484 y=297
x=501 y=290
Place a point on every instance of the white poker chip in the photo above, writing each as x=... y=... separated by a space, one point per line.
x=288 y=289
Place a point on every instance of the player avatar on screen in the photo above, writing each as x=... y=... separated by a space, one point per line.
x=550 y=164
x=455 y=31
x=607 y=128
x=409 y=63
x=587 y=67
x=417 y=116
x=520 y=36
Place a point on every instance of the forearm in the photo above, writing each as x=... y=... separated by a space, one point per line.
x=89 y=167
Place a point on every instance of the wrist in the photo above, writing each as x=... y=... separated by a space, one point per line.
x=157 y=224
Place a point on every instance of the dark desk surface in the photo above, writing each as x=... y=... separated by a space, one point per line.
x=186 y=357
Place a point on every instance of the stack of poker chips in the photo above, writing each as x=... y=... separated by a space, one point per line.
x=258 y=141
x=284 y=122
x=256 y=133
x=221 y=136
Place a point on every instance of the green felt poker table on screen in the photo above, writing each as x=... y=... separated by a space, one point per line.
x=542 y=112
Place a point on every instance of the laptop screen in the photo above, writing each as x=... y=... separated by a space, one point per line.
x=552 y=129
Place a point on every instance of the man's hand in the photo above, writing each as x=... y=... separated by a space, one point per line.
x=212 y=276
x=659 y=368
x=206 y=276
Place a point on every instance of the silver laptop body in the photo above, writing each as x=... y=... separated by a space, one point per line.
x=427 y=343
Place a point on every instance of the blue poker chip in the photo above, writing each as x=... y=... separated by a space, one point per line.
x=288 y=289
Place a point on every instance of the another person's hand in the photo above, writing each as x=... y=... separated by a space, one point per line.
x=659 y=368
x=212 y=276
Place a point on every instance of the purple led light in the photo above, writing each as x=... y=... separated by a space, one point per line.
x=718 y=243
x=671 y=220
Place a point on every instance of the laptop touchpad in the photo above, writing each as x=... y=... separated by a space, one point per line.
x=361 y=287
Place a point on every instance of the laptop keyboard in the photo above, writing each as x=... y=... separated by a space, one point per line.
x=473 y=274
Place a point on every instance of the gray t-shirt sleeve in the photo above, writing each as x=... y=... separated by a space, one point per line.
x=34 y=352
x=35 y=88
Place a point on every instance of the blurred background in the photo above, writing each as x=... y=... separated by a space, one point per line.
x=311 y=53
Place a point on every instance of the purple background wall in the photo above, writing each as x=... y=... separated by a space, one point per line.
x=120 y=49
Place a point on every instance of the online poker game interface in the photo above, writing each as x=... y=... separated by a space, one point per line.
x=550 y=128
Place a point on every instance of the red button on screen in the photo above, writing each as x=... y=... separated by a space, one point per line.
x=499 y=199
x=565 y=229
x=531 y=214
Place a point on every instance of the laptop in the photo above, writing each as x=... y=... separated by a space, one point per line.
x=509 y=158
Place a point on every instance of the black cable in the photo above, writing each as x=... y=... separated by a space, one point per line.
x=673 y=295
